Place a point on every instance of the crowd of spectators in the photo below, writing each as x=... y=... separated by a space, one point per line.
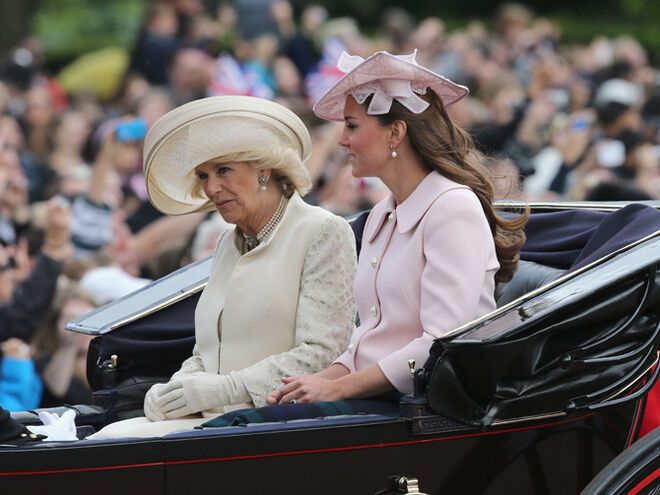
x=553 y=120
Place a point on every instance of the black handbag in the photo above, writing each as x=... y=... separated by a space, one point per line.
x=122 y=365
x=126 y=399
x=575 y=347
x=155 y=346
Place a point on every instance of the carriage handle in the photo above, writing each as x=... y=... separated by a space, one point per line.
x=615 y=387
x=622 y=400
x=401 y=483
x=569 y=360
x=617 y=359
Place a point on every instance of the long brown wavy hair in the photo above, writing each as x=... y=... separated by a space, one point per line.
x=446 y=148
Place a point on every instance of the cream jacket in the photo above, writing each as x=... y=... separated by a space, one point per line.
x=285 y=308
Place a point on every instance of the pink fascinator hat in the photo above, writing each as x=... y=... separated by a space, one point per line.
x=387 y=77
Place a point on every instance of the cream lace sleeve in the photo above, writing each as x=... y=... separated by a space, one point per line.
x=325 y=317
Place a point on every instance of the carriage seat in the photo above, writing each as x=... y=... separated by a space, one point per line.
x=528 y=277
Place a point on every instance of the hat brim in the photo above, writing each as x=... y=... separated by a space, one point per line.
x=208 y=129
x=379 y=66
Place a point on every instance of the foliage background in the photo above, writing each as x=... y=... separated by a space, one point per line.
x=72 y=27
x=580 y=20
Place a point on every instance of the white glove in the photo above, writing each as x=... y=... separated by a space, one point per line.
x=198 y=392
x=152 y=411
x=56 y=428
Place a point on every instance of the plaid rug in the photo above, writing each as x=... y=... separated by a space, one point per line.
x=288 y=412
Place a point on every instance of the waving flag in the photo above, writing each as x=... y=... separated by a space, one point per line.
x=327 y=73
x=232 y=79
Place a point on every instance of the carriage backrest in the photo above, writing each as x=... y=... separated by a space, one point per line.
x=528 y=277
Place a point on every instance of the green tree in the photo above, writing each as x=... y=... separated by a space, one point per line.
x=72 y=27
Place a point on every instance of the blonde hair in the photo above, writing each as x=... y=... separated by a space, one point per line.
x=288 y=169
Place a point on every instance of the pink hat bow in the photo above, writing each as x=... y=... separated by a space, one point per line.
x=385 y=90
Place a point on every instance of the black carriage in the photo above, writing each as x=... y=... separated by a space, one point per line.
x=538 y=396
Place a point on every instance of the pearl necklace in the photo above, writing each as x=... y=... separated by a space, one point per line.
x=253 y=241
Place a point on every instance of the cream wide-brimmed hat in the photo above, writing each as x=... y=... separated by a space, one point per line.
x=387 y=77
x=208 y=129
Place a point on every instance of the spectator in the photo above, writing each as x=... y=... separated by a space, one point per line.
x=69 y=137
x=38 y=120
x=29 y=301
x=253 y=19
x=20 y=385
x=618 y=104
x=189 y=75
x=157 y=42
x=61 y=355
x=298 y=42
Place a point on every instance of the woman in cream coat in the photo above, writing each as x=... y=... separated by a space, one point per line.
x=279 y=298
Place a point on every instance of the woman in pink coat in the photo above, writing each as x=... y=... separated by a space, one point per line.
x=433 y=250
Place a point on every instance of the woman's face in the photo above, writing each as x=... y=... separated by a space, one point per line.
x=234 y=190
x=39 y=108
x=72 y=132
x=365 y=140
x=127 y=156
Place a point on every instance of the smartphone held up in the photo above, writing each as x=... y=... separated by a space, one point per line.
x=131 y=130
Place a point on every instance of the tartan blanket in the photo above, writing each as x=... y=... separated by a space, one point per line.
x=288 y=412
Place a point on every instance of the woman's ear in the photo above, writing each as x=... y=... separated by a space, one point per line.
x=267 y=172
x=398 y=130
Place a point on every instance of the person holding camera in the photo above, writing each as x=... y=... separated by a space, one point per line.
x=27 y=301
x=115 y=205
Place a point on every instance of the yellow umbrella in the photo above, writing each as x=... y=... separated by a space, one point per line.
x=100 y=72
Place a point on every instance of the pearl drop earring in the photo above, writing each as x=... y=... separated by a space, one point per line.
x=394 y=154
x=263 y=180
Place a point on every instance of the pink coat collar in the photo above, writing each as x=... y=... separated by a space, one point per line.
x=410 y=212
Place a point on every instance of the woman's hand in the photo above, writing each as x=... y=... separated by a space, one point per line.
x=57 y=238
x=197 y=392
x=190 y=394
x=333 y=383
x=151 y=410
x=22 y=258
x=310 y=388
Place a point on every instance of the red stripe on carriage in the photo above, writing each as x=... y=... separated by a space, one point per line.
x=290 y=453
x=645 y=482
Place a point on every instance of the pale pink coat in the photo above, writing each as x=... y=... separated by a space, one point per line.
x=426 y=267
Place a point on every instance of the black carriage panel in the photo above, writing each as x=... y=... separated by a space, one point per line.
x=574 y=347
